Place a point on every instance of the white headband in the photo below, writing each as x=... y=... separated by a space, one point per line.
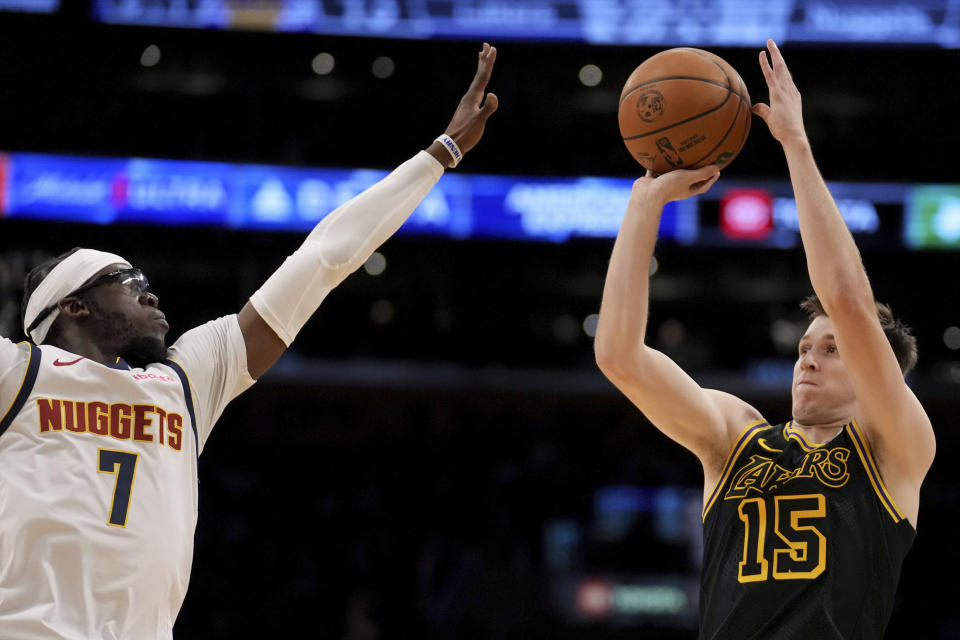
x=67 y=276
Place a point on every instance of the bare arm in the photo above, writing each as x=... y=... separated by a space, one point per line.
x=346 y=237
x=699 y=419
x=896 y=424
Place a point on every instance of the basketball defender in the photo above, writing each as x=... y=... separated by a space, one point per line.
x=101 y=425
x=806 y=523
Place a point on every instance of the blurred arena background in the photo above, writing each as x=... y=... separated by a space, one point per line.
x=437 y=456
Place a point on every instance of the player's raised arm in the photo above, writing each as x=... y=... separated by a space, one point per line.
x=896 y=424
x=344 y=239
x=701 y=420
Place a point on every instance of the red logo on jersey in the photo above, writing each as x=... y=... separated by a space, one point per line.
x=152 y=376
x=57 y=362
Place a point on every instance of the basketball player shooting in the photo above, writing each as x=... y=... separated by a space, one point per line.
x=101 y=424
x=806 y=523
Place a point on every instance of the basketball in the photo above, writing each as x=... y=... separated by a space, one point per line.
x=684 y=109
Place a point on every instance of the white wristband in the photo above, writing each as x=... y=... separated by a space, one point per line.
x=452 y=147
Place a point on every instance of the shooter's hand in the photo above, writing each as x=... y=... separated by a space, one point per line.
x=677 y=184
x=784 y=114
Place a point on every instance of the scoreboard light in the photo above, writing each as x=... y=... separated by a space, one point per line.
x=629 y=599
x=746 y=214
x=932 y=218
x=594 y=598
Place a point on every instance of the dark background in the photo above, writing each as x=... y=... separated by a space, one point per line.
x=391 y=478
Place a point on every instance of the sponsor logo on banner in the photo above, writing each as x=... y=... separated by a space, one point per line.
x=61 y=189
x=557 y=210
x=271 y=201
x=177 y=192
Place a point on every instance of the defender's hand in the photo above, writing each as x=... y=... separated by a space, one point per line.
x=677 y=184
x=784 y=115
x=470 y=118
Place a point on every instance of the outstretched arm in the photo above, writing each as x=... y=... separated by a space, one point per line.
x=896 y=424
x=344 y=239
x=699 y=419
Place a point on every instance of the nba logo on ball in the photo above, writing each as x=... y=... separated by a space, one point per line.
x=650 y=105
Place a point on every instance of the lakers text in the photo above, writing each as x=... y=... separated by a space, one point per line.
x=761 y=474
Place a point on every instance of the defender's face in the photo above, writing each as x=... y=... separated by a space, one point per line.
x=127 y=312
x=822 y=388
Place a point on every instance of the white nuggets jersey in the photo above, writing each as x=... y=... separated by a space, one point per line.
x=98 y=484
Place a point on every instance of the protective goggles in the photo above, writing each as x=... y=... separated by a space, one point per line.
x=132 y=279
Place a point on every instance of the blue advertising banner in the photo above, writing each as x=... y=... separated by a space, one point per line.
x=461 y=206
x=630 y=22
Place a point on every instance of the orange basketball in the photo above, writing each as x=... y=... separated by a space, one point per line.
x=684 y=109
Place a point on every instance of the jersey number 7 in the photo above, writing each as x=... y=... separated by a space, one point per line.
x=124 y=465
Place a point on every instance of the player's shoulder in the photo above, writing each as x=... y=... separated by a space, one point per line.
x=207 y=334
x=208 y=346
x=15 y=361
x=12 y=352
x=740 y=420
x=737 y=413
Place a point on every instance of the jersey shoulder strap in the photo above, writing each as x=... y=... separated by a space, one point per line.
x=26 y=386
x=188 y=397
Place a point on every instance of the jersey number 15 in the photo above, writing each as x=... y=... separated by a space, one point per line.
x=794 y=518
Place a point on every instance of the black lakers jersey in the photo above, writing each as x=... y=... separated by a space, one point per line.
x=801 y=540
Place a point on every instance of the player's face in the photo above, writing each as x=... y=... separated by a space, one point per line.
x=127 y=318
x=822 y=388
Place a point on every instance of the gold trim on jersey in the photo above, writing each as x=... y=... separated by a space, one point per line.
x=873 y=472
x=743 y=439
x=789 y=433
x=22 y=381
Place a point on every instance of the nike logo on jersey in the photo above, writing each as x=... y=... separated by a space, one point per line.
x=57 y=362
x=763 y=443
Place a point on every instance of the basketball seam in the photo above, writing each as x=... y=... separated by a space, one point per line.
x=698 y=79
x=728 y=86
x=746 y=129
x=698 y=52
x=677 y=124
x=725 y=135
x=733 y=123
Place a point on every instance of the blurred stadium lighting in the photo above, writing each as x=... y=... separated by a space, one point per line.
x=375 y=264
x=382 y=312
x=383 y=67
x=150 y=56
x=565 y=329
x=590 y=324
x=322 y=64
x=951 y=338
x=590 y=75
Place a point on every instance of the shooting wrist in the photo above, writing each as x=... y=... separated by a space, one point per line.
x=650 y=197
x=795 y=143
